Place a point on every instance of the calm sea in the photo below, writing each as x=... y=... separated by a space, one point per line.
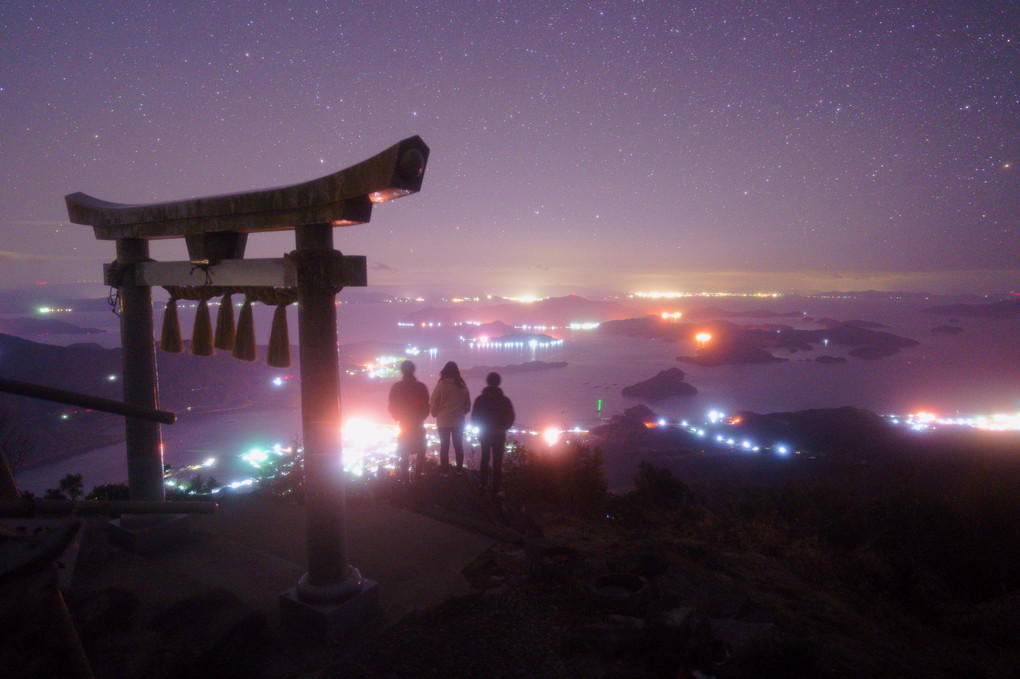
x=976 y=371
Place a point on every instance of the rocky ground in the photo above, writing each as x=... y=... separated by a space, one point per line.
x=556 y=596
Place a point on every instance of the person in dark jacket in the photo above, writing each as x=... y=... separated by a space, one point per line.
x=409 y=406
x=493 y=414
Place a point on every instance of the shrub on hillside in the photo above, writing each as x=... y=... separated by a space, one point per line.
x=656 y=486
x=570 y=475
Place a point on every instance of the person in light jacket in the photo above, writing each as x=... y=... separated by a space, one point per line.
x=449 y=404
x=493 y=414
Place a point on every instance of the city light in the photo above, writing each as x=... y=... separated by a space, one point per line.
x=702 y=338
x=926 y=421
x=551 y=436
x=676 y=295
x=256 y=457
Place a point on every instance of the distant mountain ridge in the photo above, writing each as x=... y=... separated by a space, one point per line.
x=1008 y=309
x=558 y=311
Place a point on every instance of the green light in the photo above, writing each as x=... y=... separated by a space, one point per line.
x=599 y=405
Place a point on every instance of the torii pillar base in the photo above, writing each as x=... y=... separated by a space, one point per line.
x=332 y=622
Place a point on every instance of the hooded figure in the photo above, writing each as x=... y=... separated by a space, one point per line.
x=493 y=414
x=409 y=406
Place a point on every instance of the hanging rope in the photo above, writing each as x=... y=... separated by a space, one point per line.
x=201 y=334
x=239 y=340
x=244 y=341
x=170 y=338
x=224 y=337
x=278 y=354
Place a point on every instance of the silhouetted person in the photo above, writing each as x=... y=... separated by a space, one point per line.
x=449 y=404
x=409 y=406
x=493 y=414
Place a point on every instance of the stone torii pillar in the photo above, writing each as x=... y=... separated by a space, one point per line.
x=332 y=595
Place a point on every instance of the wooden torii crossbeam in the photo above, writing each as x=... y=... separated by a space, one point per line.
x=216 y=229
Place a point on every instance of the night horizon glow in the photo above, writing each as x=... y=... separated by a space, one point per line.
x=626 y=147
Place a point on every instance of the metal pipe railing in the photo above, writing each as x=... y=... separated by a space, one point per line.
x=85 y=401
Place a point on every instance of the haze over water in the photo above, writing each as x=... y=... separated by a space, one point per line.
x=972 y=372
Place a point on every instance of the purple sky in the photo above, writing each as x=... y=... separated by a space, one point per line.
x=627 y=145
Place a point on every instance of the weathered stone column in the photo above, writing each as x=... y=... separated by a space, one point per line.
x=329 y=580
x=138 y=351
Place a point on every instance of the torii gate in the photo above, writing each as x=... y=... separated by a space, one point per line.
x=216 y=229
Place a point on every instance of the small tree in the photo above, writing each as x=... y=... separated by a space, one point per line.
x=109 y=491
x=69 y=488
x=15 y=445
x=657 y=486
x=571 y=475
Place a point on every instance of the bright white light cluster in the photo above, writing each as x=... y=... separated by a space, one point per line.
x=925 y=421
x=495 y=344
x=718 y=417
x=257 y=457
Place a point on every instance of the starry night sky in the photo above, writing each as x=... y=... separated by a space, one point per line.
x=627 y=145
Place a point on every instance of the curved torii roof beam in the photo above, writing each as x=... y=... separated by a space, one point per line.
x=341 y=199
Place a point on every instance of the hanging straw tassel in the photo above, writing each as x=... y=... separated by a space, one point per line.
x=278 y=355
x=224 y=337
x=244 y=341
x=170 y=338
x=201 y=336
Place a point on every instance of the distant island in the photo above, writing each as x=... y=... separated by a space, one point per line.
x=43 y=326
x=529 y=367
x=826 y=359
x=832 y=323
x=717 y=312
x=1007 y=309
x=666 y=384
x=731 y=344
